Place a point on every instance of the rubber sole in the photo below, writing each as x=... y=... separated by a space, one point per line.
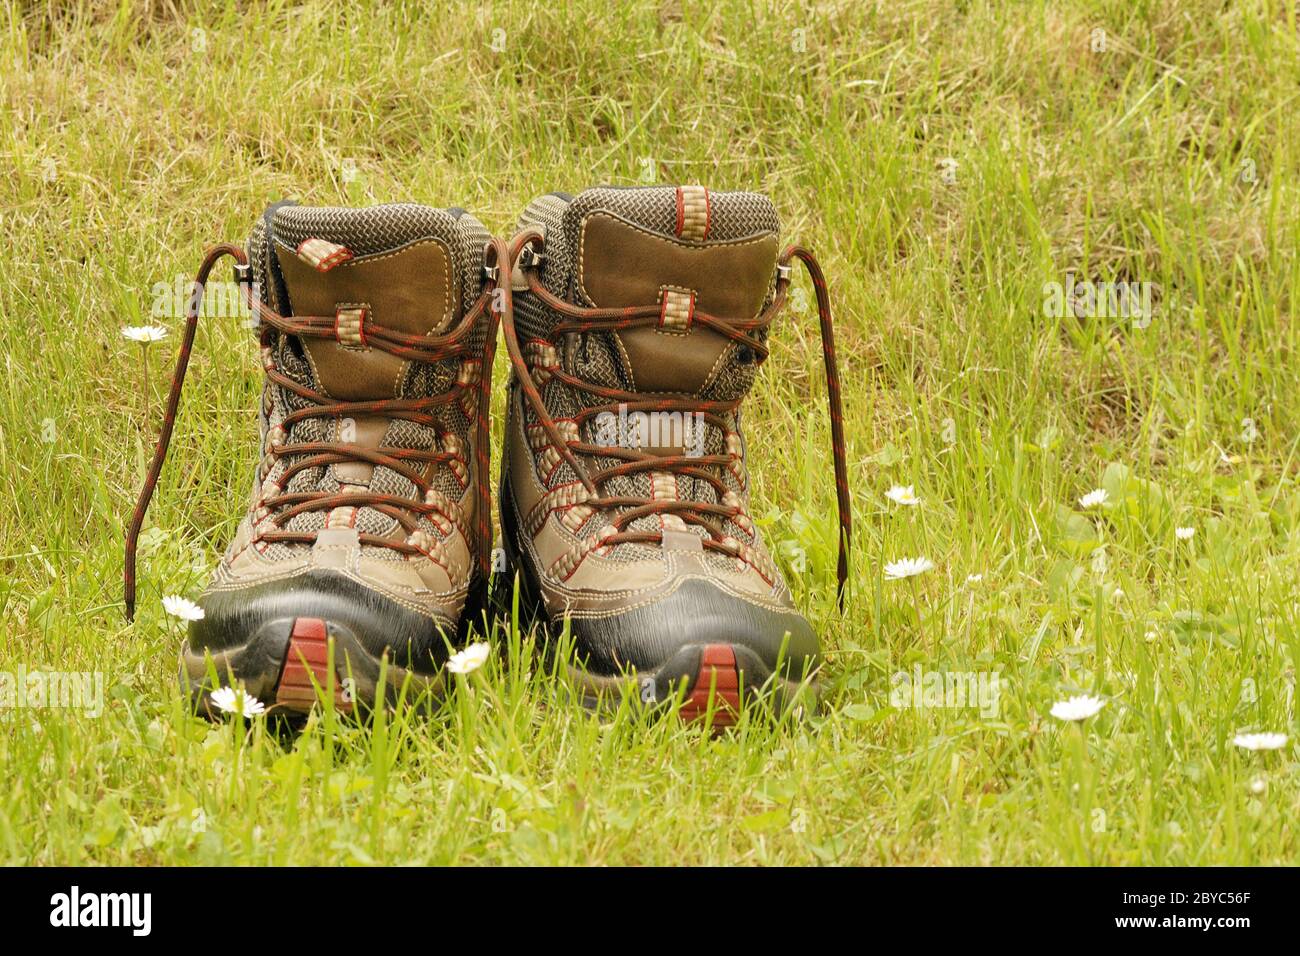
x=295 y=664
x=710 y=683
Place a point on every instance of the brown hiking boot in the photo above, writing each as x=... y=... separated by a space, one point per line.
x=624 y=488
x=367 y=534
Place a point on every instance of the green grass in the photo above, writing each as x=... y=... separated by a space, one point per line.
x=1168 y=157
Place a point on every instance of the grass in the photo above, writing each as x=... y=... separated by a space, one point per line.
x=946 y=162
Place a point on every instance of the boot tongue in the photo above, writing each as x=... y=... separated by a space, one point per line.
x=687 y=251
x=409 y=289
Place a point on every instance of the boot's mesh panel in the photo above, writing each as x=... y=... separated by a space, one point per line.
x=364 y=232
x=734 y=215
x=547 y=213
x=257 y=258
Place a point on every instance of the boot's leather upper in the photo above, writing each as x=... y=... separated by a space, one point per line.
x=665 y=553
x=404 y=441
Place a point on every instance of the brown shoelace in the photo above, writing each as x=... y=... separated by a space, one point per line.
x=524 y=252
x=280 y=508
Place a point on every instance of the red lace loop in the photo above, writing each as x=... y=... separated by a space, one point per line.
x=578 y=319
x=458 y=342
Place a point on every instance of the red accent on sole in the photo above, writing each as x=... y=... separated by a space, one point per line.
x=308 y=659
x=718 y=676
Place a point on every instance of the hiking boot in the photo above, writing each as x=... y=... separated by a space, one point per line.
x=640 y=322
x=367 y=535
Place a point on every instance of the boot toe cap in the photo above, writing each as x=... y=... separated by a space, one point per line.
x=695 y=613
x=232 y=618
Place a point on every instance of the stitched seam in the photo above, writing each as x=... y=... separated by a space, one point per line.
x=446 y=263
x=677 y=583
x=717 y=366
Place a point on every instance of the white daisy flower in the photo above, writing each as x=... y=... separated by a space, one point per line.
x=1259 y=741
x=144 y=333
x=470 y=659
x=1184 y=534
x=974 y=578
x=233 y=700
x=1259 y=786
x=1093 y=498
x=1078 y=707
x=902 y=495
x=907 y=568
x=184 y=608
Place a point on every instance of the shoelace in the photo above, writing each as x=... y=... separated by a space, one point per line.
x=280 y=508
x=525 y=253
